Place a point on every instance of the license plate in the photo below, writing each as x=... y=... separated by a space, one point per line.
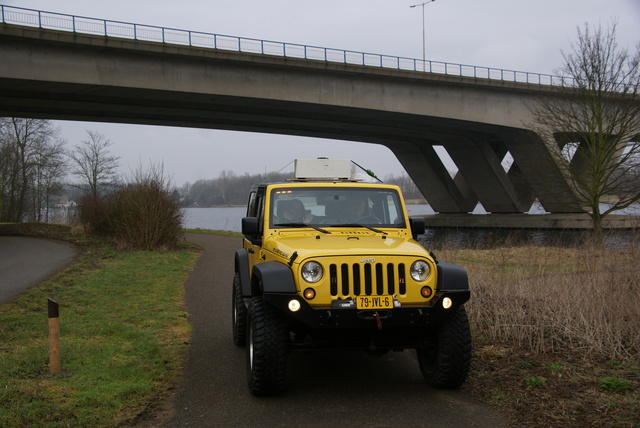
x=374 y=302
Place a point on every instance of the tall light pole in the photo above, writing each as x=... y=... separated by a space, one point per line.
x=424 y=42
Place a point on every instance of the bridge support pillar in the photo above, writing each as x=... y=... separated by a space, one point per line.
x=480 y=162
x=431 y=176
x=544 y=176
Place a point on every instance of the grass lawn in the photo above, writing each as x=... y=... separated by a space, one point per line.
x=123 y=331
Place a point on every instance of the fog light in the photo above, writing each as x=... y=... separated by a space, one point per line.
x=294 y=305
x=426 y=292
x=309 y=293
x=446 y=303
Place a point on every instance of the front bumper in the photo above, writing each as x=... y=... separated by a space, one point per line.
x=352 y=318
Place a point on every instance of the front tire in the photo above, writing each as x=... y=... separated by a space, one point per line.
x=446 y=361
x=266 y=349
x=239 y=313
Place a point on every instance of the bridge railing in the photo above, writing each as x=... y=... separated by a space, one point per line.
x=127 y=30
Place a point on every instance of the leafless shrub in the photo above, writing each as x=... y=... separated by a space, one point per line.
x=142 y=214
x=92 y=213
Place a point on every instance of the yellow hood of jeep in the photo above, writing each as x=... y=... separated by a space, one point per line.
x=341 y=243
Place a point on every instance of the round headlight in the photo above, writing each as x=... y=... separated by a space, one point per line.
x=420 y=270
x=312 y=272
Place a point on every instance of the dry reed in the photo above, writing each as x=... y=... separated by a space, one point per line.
x=552 y=299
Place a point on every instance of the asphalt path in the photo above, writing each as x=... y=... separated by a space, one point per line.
x=25 y=262
x=324 y=388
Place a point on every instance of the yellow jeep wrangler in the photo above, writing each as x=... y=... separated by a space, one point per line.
x=334 y=264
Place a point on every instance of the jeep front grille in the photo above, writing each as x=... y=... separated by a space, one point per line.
x=358 y=279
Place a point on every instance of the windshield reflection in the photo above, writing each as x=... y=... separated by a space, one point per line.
x=323 y=207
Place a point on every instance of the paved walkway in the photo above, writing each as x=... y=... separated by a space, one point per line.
x=324 y=388
x=25 y=262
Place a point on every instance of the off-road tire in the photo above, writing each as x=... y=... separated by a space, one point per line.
x=238 y=313
x=446 y=361
x=266 y=349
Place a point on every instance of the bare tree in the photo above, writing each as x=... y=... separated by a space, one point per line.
x=409 y=189
x=593 y=124
x=4 y=163
x=228 y=189
x=48 y=175
x=30 y=151
x=93 y=164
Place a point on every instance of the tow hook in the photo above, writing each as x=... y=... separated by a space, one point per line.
x=378 y=320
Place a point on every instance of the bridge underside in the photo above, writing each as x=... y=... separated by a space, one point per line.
x=49 y=75
x=477 y=150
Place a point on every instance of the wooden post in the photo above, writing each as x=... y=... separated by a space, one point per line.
x=54 y=338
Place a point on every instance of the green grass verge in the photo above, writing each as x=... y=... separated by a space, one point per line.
x=123 y=329
x=199 y=231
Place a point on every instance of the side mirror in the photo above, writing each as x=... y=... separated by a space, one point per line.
x=251 y=230
x=417 y=226
x=250 y=226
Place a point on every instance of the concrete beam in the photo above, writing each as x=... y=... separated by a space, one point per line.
x=478 y=163
x=430 y=175
x=527 y=221
x=544 y=176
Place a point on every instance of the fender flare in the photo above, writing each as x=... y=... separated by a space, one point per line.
x=272 y=277
x=452 y=277
x=242 y=268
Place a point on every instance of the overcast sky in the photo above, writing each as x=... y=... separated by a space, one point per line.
x=511 y=34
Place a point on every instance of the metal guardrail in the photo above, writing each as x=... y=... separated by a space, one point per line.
x=127 y=30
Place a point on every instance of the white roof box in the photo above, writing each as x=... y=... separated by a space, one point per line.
x=322 y=169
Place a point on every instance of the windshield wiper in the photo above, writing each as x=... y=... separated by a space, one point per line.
x=319 y=229
x=373 y=229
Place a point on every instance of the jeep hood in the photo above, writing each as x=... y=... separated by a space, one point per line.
x=342 y=244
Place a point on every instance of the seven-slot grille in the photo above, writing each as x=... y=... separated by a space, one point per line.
x=366 y=279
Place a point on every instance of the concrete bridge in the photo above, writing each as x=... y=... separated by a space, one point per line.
x=62 y=74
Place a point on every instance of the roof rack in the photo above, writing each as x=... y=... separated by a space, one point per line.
x=322 y=169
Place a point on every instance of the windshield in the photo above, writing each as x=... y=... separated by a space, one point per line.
x=326 y=207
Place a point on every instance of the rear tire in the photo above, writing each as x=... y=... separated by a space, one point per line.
x=266 y=349
x=239 y=313
x=446 y=361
